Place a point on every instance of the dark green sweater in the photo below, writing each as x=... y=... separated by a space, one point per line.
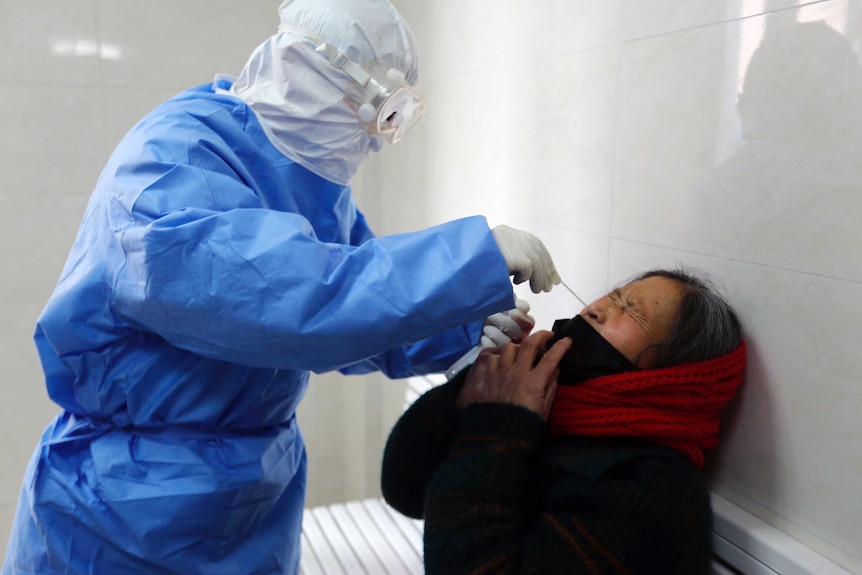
x=498 y=496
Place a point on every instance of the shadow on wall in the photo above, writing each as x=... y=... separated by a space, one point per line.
x=789 y=196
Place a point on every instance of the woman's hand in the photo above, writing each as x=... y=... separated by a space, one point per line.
x=507 y=375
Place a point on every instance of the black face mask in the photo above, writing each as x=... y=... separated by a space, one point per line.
x=590 y=356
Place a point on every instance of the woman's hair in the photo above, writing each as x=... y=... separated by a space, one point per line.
x=705 y=326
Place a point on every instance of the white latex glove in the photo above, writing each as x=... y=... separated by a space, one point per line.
x=512 y=325
x=527 y=258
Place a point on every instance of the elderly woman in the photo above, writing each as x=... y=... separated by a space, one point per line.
x=514 y=473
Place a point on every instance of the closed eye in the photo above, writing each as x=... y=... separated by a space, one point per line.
x=630 y=308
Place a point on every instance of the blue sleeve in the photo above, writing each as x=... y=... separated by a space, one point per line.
x=210 y=270
x=433 y=354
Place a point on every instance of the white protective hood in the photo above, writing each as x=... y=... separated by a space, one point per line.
x=298 y=94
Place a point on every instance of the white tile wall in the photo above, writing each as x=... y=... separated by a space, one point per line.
x=7 y=510
x=180 y=44
x=483 y=35
x=345 y=422
x=658 y=17
x=612 y=129
x=39 y=43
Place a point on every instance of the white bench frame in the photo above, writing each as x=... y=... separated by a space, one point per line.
x=360 y=537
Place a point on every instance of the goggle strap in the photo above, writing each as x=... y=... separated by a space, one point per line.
x=338 y=58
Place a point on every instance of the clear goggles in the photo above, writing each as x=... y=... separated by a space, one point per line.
x=382 y=98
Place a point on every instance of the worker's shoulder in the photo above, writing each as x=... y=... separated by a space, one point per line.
x=196 y=116
x=200 y=106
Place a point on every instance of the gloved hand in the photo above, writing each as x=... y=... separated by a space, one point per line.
x=512 y=325
x=527 y=258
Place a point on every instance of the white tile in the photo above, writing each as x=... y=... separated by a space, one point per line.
x=52 y=141
x=38 y=230
x=538 y=149
x=548 y=28
x=325 y=481
x=25 y=409
x=321 y=416
x=562 y=161
x=789 y=194
x=472 y=145
x=364 y=437
x=399 y=215
x=461 y=37
x=656 y=17
x=54 y=42
x=180 y=44
x=671 y=105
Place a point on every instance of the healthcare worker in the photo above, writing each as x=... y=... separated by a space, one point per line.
x=221 y=258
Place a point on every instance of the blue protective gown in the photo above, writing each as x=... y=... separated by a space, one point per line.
x=209 y=276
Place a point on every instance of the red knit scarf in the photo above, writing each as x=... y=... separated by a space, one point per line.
x=676 y=406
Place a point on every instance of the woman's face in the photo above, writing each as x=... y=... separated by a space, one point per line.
x=636 y=316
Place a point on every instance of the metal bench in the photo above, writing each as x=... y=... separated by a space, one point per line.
x=360 y=537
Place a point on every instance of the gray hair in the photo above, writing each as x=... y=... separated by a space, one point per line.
x=705 y=326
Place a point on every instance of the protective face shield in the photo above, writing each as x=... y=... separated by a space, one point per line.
x=391 y=106
x=382 y=98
